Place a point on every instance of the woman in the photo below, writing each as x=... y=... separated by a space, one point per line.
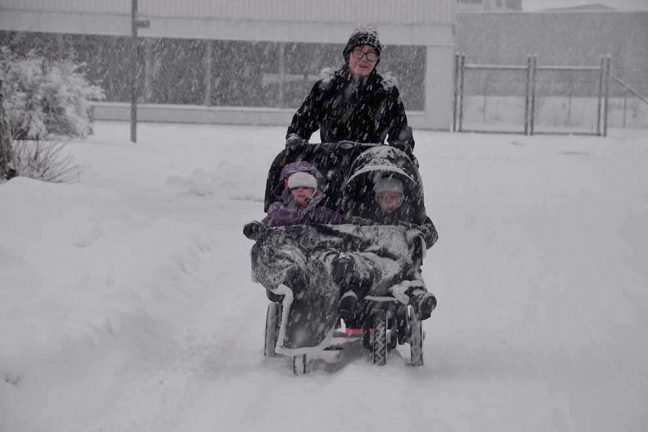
x=355 y=102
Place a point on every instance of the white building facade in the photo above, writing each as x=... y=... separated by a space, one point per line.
x=427 y=24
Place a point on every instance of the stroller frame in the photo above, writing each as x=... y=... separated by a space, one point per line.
x=387 y=322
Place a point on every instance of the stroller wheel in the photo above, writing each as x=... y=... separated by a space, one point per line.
x=415 y=338
x=380 y=338
x=273 y=322
x=299 y=364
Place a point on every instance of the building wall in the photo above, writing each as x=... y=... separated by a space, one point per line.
x=216 y=73
x=417 y=22
x=563 y=39
x=424 y=24
x=401 y=22
x=375 y=11
x=574 y=38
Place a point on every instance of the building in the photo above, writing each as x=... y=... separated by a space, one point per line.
x=243 y=61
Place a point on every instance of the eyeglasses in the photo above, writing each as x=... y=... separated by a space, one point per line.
x=371 y=55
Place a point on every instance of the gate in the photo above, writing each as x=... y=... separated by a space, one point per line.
x=531 y=99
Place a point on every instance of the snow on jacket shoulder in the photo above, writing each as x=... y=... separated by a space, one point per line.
x=367 y=110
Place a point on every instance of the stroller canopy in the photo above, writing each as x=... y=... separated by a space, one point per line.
x=332 y=160
x=377 y=163
x=349 y=170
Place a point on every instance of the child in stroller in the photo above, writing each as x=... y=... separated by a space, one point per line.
x=384 y=189
x=300 y=203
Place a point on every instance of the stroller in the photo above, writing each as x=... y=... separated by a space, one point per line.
x=302 y=320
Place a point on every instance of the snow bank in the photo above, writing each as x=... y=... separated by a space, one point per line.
x=79 y=264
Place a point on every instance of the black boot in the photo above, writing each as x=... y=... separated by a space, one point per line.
x=348 y=307
x=342 y=270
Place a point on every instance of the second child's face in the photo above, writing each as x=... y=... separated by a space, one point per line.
x=389 y=201
x=302 y=195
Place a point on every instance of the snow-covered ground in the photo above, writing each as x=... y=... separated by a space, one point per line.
x=126 y=302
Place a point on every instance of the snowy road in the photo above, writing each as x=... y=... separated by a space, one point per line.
x=126 y=302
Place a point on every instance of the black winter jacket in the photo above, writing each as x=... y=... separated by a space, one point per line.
x=366 y=110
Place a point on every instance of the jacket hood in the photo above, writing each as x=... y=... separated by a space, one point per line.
x=383 y=161
x=378 y=163
x=363 y=36
x=301 y=166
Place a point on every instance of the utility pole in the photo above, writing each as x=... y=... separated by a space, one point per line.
x=135 y=25
x=7 y=167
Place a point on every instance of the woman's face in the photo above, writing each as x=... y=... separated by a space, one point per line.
x=362 y=60
x=302 y=195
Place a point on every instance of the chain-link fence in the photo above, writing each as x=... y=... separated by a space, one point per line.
x=628 y=108
x=531 y=99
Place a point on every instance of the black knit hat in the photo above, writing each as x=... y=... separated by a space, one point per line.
x=363 y=36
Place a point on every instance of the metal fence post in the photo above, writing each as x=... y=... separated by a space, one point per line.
x=208 y=62
x=133 y=108
x=462 y=71
x=527 y=97
x=534 y=75
x=600 y=97
x=135 y=25
x=456 y=92
x=606 y=95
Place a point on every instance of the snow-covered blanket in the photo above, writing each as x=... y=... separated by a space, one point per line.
x=296 y=262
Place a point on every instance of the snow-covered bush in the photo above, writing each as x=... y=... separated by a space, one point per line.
x=46 y=97
x=44 y=160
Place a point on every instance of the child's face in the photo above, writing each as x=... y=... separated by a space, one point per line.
x=302 y=195
x=389 y=201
